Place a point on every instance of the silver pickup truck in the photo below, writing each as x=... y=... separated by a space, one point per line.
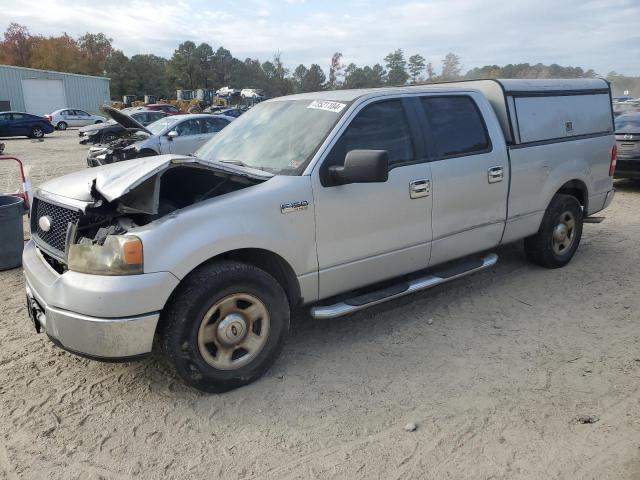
x=337 y=200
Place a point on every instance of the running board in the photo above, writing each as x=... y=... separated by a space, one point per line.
x=367 y=300
x=593 y=219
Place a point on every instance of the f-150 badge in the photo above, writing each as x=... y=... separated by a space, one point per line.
x=294 y=206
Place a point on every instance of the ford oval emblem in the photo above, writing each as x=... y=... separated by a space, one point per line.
x=44 y=223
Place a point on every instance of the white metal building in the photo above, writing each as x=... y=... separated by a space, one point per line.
x=43 y=91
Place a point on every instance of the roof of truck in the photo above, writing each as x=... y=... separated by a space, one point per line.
x=508 y=86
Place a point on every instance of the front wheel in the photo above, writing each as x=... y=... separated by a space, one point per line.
x=559 y=235
x=61 y=125
x=225 y=326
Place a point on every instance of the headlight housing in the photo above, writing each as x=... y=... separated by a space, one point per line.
x=119 y=255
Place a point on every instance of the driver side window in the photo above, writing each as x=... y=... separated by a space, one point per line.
x=190 y=127
x=379 y=126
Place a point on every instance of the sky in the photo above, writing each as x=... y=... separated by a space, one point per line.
x=600 y=34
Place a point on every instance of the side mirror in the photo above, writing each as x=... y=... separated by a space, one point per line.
x=361 y=166
x=172 y=134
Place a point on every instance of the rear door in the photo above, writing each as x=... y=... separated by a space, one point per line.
x=470 y=174
x=68 y=117
x=82 y=118
x=20 y=124
x=211 y=126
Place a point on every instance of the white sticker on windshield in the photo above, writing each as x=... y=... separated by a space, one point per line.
x=335 y=107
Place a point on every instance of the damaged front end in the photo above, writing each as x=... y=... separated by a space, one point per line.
x=94 y=231
x=121 y=149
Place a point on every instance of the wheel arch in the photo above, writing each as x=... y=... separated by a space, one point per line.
x=578 y=189
x=266 y=260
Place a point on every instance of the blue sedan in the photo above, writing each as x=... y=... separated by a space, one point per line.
x=17 y=124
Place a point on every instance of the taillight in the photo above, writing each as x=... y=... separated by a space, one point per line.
x=614 y=160
x=48 y=117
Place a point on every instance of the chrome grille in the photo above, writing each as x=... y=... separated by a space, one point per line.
x=54 y=240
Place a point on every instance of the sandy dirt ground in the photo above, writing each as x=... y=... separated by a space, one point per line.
x=514 y=373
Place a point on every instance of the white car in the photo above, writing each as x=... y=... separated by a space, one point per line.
x=251 y=93
x=227 y=92
x=177 y=134
x=72 y=117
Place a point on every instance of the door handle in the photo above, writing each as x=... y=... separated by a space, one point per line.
x=495 y=174
x=419 y=188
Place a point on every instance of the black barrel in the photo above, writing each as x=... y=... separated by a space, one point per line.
x=11 y=232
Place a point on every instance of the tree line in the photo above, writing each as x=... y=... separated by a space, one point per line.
x=201 y=66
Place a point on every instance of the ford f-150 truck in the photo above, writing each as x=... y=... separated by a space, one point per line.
x=337 y=200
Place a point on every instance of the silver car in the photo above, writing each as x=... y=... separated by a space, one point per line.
x=177 y=134
x=336 y=200
x=72 y=117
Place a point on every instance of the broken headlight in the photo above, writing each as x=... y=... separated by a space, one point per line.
x=118 y=255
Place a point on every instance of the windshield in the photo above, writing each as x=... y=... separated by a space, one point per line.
x=628 y=123
x=278 y=137
x=159 y=125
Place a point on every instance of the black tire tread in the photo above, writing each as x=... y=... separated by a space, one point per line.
x=538 y=247
x=196 y=284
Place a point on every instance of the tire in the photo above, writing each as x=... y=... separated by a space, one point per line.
x=62 y=126
x=559 y=235
x=36 y=132
x=193 y=331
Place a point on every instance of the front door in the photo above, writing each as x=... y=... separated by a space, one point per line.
x=189 y=137
x=373 y=231
x=82 y=118
x=470 y=175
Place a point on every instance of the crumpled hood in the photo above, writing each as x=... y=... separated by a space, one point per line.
x=94 y=127
x=116 y=179
x=123 y=119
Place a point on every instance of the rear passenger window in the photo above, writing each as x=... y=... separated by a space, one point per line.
x=380 y=126
x=213 y=125
x=456 y=126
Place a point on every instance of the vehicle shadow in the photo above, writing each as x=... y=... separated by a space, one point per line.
x=627 y=185
x=48 y=136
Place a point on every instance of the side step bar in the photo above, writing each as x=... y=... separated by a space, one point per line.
x=405 y=288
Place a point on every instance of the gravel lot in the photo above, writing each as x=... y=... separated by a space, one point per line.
x=516 y=373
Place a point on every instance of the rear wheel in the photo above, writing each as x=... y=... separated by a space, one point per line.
x=225 y=326
x=61 y=125
x=37 y=132
x=559 y=235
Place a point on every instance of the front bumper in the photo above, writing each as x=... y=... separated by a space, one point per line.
x=105 y=318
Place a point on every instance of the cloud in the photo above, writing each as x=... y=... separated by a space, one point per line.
x=598 y=34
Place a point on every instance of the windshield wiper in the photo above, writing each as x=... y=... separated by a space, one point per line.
x=235 y=162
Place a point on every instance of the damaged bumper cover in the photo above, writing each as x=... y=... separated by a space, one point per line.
x=105 y=318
